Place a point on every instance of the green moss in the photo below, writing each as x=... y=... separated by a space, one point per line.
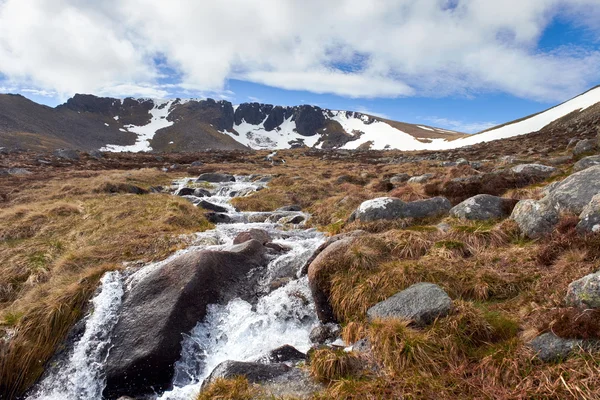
x=449 y=244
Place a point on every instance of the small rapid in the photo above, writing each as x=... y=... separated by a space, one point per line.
x=284 y=313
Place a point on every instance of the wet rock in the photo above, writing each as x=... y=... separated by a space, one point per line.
x=167 y=302
x=67 y=154
x=292 y=219
x=584 y=146
x=586 y=162
x=290 y=208
x=285 y=353
x=212 y=207
x=421 y=303
x=202 y=193
x=585 y=292
x=576 y=191
x=325 y=333
x=390 y=208
x=399 y=179
x=218 y=218
x=534 y=171
x=550 y=348
x=186 y=191
x=483 y=207
x=535 y=218
x=259 y=235
x=214 y=177
x=253 y=371
x=589 y=219
x=421 y=178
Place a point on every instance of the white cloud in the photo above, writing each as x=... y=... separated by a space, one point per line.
x=353 y=48
x=460 y=126
x=365 y=110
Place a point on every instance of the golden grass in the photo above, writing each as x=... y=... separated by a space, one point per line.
x=327 y=365
x=56 y=241
x=230 y=389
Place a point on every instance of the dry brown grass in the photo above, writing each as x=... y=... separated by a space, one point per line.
x=327 y=365
x=230 y=389
x=56 y=241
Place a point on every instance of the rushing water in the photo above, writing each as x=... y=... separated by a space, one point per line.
x=235 y=331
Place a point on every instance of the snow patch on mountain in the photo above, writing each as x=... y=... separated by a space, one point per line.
x=145 y=133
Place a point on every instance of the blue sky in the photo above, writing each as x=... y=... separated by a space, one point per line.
x=457 y=64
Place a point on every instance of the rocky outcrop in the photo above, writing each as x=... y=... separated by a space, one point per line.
x=535 y=218
x=167 y=302
x=585 y=146
x=390 y=208
x=483 y=207
x=586 y=162
x=420 y=303
x=575 y=192
x=589 y=219
x=534 y=172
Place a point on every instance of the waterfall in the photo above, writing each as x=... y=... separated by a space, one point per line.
x=236 y=331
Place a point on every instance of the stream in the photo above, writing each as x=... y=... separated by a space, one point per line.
x=236 y=331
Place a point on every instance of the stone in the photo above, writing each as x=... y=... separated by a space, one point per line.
x=421 y=178
x=259 y=235
x=551 y=348
x=328 y=242
x=197 y=164
x=285 y=353
x=212 y=207
x=323 y=333
x=67 y=154
x=289 y=208
x=535 y=218
x=18 y=171
x=214 y=177
x=253 y=371
x=218 y=218
x=362 y=346
x=167 y=302
x=292 y=219
x=584 y=293
x=584 y=146
x=483 y=207
x=202 y=193
x=586 y=162
x=462 y=161
x=97 y=154
x=534 y=171
x=390 y=208
x=186 y=191
x=576 y=191
x=399 y=179
x=589 y=219
x=420 y=303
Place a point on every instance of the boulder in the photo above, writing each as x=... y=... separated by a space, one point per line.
x=212 y=207
x=18 y=171
x=289 y=208
x=292 y=219
x=321 y=334
x=584 y=146
x=585 y=292
x=483 y=207
x=202 y=193
x=253 y=234
x=589 y=219
x=576 y=191
x=421 y=178
x=97 y=154
x=186 y=191
x=535 y=218
x=420 y=303
x=551 y=348
x=285 y=353
x=214 y=177
x=67 y=154
x=586 y=162
x=390 y=208
x=167 y=302
x=197 y=164
x=218 y=218
x=399 y=179
x=253 y=371
x=327 y=243
x=534 y=171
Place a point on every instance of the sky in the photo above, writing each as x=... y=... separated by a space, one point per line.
x=463 y=65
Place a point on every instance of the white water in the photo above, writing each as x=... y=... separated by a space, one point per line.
x=234 y=331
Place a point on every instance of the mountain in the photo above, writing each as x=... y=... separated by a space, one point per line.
x=88 y=122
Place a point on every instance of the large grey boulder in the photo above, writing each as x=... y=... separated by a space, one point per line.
x=534 y=171
x=585 y=292
x=586 y=162
x=535 y=218
x=550 y=348
x=399 y=179
x=260 y=235
x=167 y=302
x=253 y=371
x=390 y=208
x=576 y=191
x=584 y=146
x=589 y=219
x=483 y=207
x=421 y=303
x=214 y=177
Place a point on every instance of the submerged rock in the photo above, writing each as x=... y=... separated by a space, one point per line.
x=168 y=302
x=421 y=303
